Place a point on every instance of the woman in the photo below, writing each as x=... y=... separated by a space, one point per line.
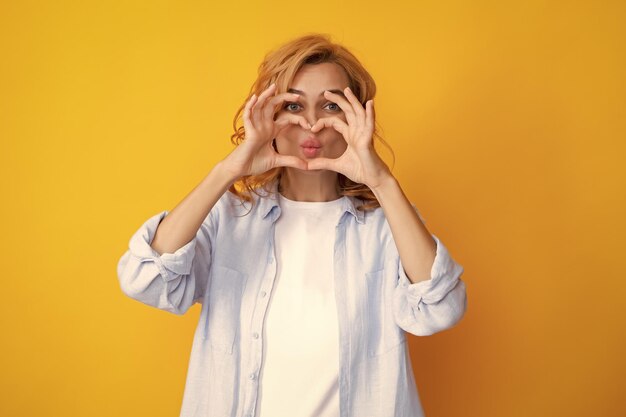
x=309 y=261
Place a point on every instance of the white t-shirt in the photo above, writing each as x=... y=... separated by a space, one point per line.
x=299 y=376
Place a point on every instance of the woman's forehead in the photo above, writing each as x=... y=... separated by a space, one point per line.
x=325 y=69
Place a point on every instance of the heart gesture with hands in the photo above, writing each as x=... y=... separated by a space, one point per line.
x=359 y=162
x=256 y=155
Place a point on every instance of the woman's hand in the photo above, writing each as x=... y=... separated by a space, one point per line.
x=255 y=154
x=359 y=162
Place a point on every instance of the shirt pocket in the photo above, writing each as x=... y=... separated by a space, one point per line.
x=383 y=334
x=224 y=307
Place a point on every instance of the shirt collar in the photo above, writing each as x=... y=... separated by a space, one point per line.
x=269 y=206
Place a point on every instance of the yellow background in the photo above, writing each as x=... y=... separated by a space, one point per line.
x=508 y=120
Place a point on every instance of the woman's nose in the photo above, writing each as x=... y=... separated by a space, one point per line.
x=311 y=117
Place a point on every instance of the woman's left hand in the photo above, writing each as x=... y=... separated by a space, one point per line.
x=359 y=162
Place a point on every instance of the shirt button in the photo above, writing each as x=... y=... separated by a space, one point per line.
x=255 y=335
x=263 y=293
x=252 y=376
x=271 y=260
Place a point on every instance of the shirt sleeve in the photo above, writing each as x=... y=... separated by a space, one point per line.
x=433 y=305
x=170 y=281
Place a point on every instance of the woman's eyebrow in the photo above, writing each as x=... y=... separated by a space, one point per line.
x=334 y=90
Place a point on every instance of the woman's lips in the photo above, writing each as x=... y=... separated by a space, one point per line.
x=311 y=147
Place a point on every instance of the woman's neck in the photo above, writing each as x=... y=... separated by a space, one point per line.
x=301 y=185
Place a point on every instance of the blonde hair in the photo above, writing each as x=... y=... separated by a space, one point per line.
x=280 y=66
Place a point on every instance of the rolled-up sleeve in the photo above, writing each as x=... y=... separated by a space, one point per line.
x=170 y=281
x=433 y=305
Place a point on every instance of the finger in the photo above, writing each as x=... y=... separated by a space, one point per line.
x=356 y=104
x=344 y=104
x=257 y=109
x=247 y=123
x=369 y=114
x=291 y=120
x=334 y=122
x=270 y=108
x=261 y=97
x=290 y=161
x=267 y=92
x=324 y=163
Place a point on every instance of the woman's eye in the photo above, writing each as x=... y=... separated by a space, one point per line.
x=288 y=106
x=296 y=106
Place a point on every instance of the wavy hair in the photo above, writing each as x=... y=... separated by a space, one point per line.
x=280 y=66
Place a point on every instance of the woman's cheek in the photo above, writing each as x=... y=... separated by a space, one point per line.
x=339 y=147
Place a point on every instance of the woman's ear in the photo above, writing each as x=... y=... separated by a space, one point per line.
x=274 y=145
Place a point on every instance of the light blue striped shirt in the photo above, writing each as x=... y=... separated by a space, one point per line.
x=229 y=267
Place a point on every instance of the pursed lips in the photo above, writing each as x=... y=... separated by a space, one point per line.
x=311 y=143
x=311 y=147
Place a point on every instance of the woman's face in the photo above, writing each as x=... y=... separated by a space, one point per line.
x=310 y=82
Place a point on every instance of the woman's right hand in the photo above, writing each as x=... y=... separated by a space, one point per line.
x=255 y=154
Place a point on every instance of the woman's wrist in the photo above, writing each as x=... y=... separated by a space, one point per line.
x=223 y=174
x=384 y=181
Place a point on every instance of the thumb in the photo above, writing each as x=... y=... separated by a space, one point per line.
x=290 y=161
x=323 y=163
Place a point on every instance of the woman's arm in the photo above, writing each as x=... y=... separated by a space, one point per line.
x=168 y=259
x=416 y=246
x=253 y=156
x=434 y=297
x=362 y=164
x=182 y=223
